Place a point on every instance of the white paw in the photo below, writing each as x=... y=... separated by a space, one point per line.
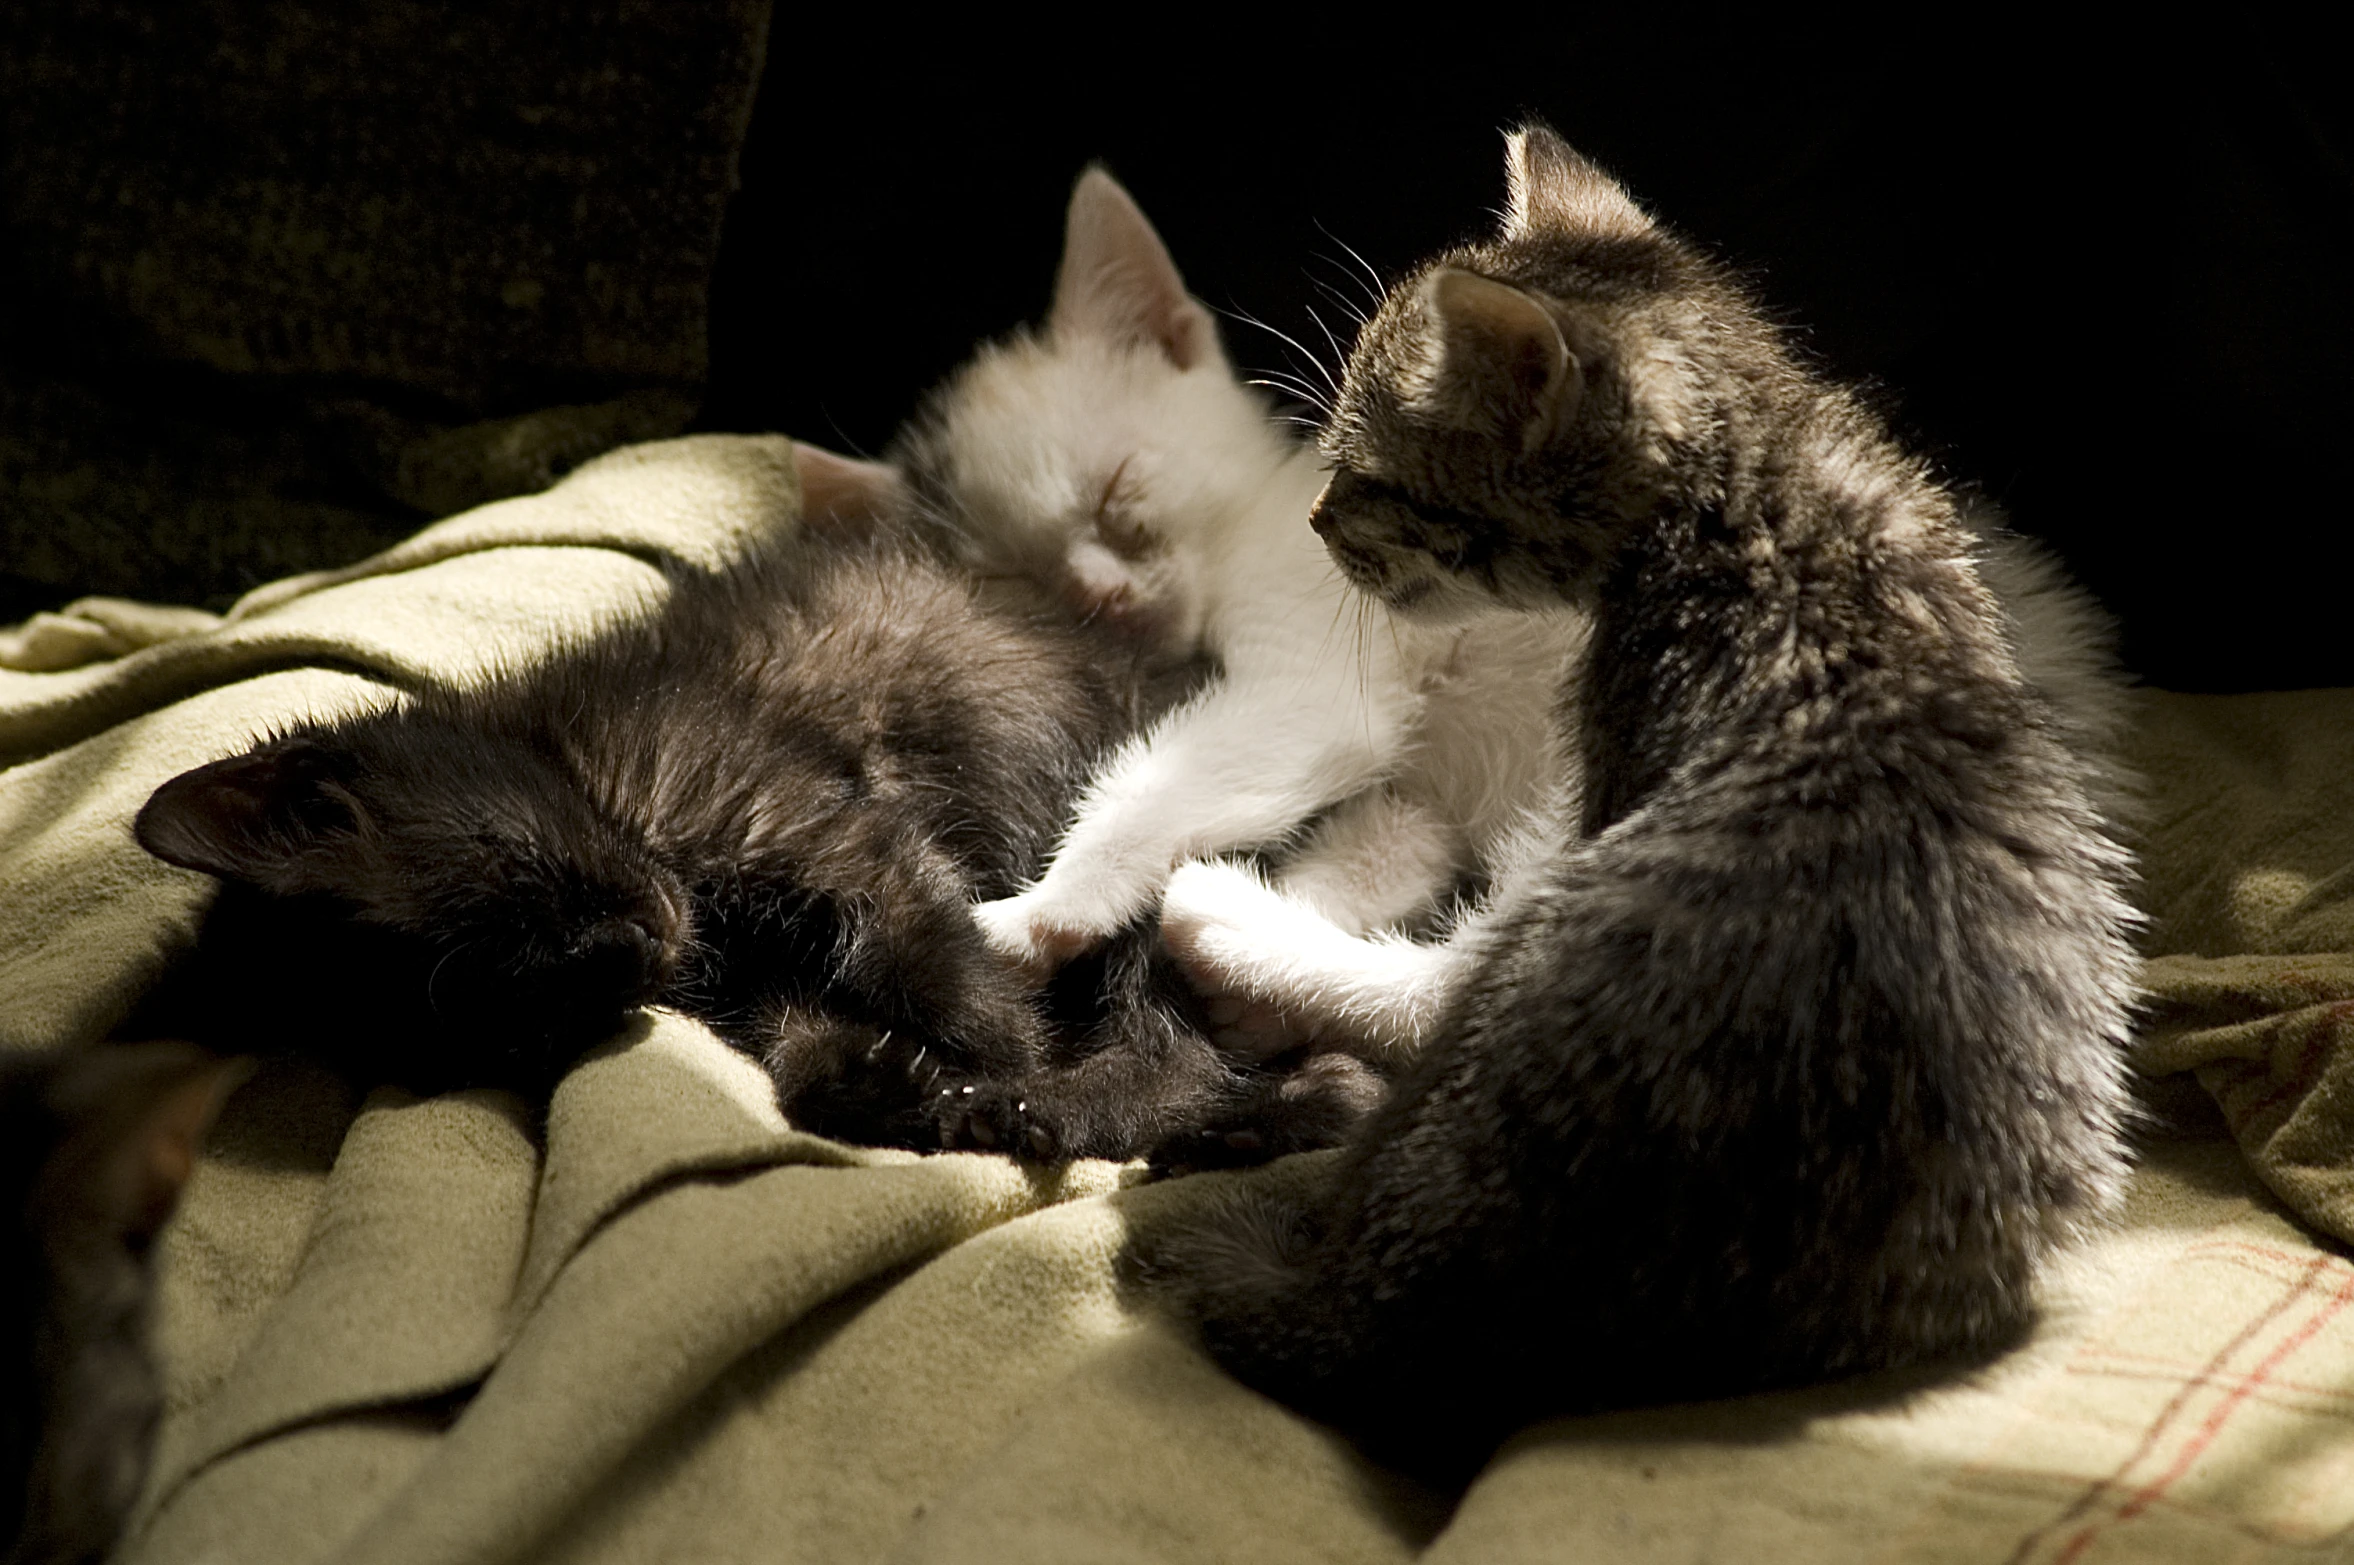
x=1208 y=915
x=1221 y=923
x=1034 y=932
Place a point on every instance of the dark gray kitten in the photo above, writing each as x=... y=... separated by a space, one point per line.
x=1805 y=1049
x=94 y=1146
x=771 y=805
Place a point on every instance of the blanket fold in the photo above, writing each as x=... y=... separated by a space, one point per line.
x=2249 y=883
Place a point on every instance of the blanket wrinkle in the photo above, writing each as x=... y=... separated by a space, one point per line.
x=653 y=1321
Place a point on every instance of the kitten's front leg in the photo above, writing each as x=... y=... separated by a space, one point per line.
x=911 y=957
x=1242 y=765
x=850 y=1080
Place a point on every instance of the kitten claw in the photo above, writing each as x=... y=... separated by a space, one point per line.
x=988 y=1116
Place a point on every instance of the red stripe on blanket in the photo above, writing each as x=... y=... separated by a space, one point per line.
x=2209 y=1372
x=2148 y=1495
x=2323 y=1032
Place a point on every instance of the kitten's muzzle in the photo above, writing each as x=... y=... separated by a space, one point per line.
x=1320 y=514
x=631 y=959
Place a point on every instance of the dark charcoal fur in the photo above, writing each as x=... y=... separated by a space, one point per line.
x=1806 y=1050
x=94 y=1145
x=770 y=806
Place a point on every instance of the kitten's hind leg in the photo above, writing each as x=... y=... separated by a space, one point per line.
x=1237 y=936
x=1377 y=860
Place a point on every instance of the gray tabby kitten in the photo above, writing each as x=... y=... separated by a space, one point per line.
x=1804 y=1049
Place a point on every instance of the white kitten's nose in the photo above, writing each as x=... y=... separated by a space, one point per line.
x=1101 y=582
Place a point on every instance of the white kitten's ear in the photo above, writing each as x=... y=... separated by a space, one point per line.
x=839 y=490
x=248 y=816
x=1493 y=359
x=1554 y=188
x=1117 y=280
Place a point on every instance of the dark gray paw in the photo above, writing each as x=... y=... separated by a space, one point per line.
x=1235 y=1145
x=994 y=1116
x=1318 y=1102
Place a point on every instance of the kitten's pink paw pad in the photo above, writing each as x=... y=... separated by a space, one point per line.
x=1258 y=1030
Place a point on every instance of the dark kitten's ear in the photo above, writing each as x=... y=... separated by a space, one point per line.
x=838 y=489
x=1493 y=360
x=248 y=815
x=1554 y=188
x=1117 y=280
x=134 y=1117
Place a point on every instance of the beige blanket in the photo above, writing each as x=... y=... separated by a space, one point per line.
x=664 y=1326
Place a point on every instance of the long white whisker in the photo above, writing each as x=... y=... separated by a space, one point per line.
x=1340 y=606
x=1379 y=287
x=1299 y=346
x=1276 y=380
x=1341 y=301
x=1338 y=352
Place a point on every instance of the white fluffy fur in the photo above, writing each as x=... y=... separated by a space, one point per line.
x=1117 y=453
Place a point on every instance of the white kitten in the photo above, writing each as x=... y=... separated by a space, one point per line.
x=1116 y=454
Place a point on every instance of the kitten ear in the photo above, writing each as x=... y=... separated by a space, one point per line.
x=1118 y=282
x=245 y=816
x=1494 y=359
x=839 y=489
x=136 y=1115
x=1555 y=188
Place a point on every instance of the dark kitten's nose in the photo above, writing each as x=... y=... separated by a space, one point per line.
x=630 y=958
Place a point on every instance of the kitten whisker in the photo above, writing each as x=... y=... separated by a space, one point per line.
x=1338 y=352
x=1372 y=276
x=1277 y=380
x=1331 y=381
x=1341 y=302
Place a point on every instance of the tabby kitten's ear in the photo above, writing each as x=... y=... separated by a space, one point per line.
x=249 y=816
x=136 y=1114
x=1493 y=360
x=1117 y=280
x=1554 y=188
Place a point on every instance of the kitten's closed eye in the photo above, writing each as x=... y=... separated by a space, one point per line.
x=1117 y=517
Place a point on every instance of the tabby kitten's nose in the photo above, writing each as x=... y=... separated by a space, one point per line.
x=1318 y=517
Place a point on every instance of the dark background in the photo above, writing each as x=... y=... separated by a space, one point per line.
x=2103 y=277
x=2099 y=276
